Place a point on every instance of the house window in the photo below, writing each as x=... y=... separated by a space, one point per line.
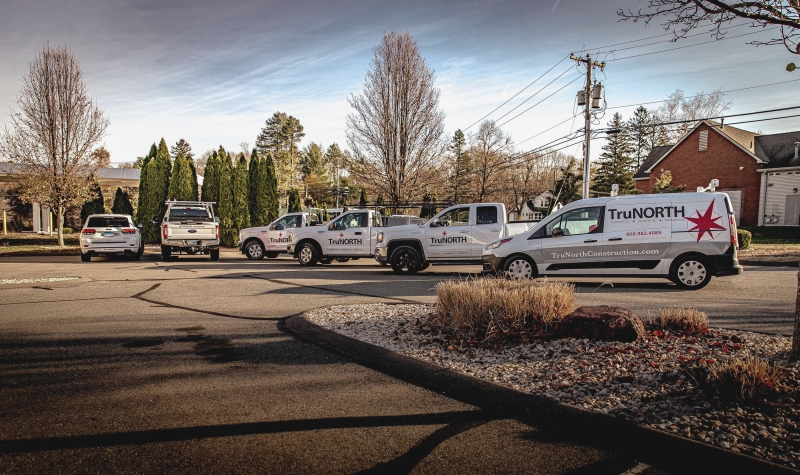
x=703 y=141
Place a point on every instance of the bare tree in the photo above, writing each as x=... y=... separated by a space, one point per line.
x=101 y=157
x=533 y=175
x=396 y=130
x=52 y=135
x=686 y=15
x=678 y=107
x=490 y=150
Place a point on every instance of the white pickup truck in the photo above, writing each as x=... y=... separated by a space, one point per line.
x=457 y=235
x=190 y=227
x=271 y=240
x=349 y=236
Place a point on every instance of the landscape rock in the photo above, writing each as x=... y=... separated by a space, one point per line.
x=602 y=322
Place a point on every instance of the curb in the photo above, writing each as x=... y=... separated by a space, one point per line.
x=747 y=262
x=659 y=449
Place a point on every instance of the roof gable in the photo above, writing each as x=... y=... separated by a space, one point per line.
x=777 y=150
x=654 y=156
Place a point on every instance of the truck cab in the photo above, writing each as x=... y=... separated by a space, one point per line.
x=457 y=235
x=350 y=235
x=271 y=240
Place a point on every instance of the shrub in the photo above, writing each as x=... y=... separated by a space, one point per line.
x=67 y=230
x=490 y=308
x=745 y=377
x=682 y=319
x=745 y=238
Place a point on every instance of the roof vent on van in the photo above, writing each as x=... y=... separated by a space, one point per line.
x=703 y=141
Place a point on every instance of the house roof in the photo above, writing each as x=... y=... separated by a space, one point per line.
x=777 y=150
x=744 y=138
x=653 y=157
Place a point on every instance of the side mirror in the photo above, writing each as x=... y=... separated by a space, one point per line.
x=155 y=220
x=216 y=219
x=558 y=232
x=139 y=225
x=435 y=223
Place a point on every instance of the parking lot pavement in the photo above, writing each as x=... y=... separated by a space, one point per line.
x=182 y=366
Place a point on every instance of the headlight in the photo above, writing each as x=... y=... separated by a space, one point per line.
x=496 y=244
x=379 y=238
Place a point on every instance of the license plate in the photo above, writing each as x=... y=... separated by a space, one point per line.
x=108 y=234
x=191 y=243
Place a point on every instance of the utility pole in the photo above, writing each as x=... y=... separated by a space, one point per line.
x=589 y=94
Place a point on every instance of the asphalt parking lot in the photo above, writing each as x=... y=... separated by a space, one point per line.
x=182 y=366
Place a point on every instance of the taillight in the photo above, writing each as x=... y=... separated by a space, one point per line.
x=218 y=231
x=164 y=231
x=734 y=235
x=88 y=231
x=128 y=231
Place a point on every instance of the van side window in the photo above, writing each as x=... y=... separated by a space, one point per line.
x=486 y=215
x=578 y=221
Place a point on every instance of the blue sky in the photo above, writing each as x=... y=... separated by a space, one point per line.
x=212 y=72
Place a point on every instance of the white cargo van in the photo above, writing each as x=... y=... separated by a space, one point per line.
x=685 y=237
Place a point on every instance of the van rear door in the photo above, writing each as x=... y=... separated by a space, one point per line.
x=637 y=235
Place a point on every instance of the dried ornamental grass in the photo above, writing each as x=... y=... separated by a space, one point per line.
x=681 y=319
x=746 y=377
x=488 y=307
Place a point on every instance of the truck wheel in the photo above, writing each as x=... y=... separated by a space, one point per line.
x=307 y=255
x=326 y=260
x=520 y=268
x=166 y=252
x=214 y=254
x=272 y=255
x=86 y=257
x=254 y=250
x=342 y=259
x=405 y=260
x=137 y=256
x=690 y=273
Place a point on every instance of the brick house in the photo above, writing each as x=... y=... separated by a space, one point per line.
x=744 y=163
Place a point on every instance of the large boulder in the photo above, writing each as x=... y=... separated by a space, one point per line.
x=602 y=323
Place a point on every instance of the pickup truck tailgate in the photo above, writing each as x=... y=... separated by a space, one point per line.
x=191 y=231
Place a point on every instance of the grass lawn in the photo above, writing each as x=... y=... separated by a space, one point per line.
x=28 y=244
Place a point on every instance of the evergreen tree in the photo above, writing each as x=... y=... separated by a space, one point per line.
x=122 y=203
x=462 y=167
x=663 y=183
x=313 y=162
x=153 y=191
x=380 y=201
x=363 y=200
x=241 y=195
x=95 y=206
x=229 y=235
x=181 y=148
x=271 y=194
x=195 y=185
x=181 y=187
x=640 y=128
x=294 y=201
x=211 y=181
x=427 y=208
x=616 y=162
x=254 y=186
x=568 y=186
x=143 y=180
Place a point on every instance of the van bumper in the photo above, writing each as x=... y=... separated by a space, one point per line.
x=727 y=264
x=491 y=264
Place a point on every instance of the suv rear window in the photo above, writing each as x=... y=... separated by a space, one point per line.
x=108 y=222
x=186 y=214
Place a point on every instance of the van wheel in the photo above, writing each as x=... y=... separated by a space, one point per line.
x=307 y=255
x=690 y=273
x=405 y=260
x=254 y=250
x=272 y=255
x=166 y=252
x=86 y=257
x=520 y=268
x=214 y=254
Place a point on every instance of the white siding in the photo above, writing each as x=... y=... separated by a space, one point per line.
x=781 y=186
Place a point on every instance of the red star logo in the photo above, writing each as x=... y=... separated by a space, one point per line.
x=705 y=223
x=444 y=233
x=341 y=235
x=280 y=234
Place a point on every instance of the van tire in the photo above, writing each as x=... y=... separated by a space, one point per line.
x=690 y=272
x=214 y=254
x=254 y=250
x=519 y=268
x=307 y=255
x=405 y=260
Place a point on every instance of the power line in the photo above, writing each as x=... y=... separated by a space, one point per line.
x=520 y=92
x=718 y=117
x=551 y=128
x=599 y=50
x=534 y=94
x=546 y=98
x=708 y=94
x=658 y=36
x=686 y=46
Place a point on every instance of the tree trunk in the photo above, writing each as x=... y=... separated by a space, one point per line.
x=60 y=226
x=795 y=354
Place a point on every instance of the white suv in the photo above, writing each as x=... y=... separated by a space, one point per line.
x=110 y=234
